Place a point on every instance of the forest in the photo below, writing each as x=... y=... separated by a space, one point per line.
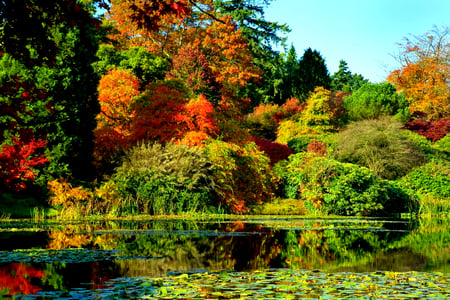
x=169 y=107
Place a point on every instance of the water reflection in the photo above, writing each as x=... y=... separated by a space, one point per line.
x=157 y=247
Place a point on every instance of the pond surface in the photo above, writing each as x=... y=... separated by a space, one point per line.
x=241 y=258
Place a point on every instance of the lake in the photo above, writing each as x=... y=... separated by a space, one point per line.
x=226 y=258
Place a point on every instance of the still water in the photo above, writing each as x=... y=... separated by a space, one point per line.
x=108 y=259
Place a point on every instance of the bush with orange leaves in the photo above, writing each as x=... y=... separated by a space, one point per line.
x=73 y=201
x=265 y=118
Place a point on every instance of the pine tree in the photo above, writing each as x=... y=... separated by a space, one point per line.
x=313 y=73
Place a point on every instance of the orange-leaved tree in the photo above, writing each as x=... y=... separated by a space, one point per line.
x=208 y=50
x=116 y=92
x=158 y=112
x=199 y=121
x=424 y=75
x=155 y=25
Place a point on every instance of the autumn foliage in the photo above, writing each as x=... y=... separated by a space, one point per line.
x=432 y=130
x=424 y=74
x=16 y=279
x=198 y=121
x=275 y=151
x=116 y=92
x=17 y=162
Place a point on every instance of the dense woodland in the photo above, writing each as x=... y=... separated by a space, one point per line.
x=183 y=106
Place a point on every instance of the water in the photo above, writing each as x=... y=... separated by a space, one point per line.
x=125 y=259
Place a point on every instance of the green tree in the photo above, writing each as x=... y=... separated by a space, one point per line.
x=313 y=73
x=57 y=42
x=344 y=81
x=291 y=79
x=142 y=63
x=374 y=100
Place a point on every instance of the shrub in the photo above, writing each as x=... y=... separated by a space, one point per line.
x=275 y=151
x=439 y=149
x=318 y=113
x=379 y=145
x=374 y=100
x=341 y=188
x=319 y=116
x=444 y=145
x=291 y=107
x=72 y=201
x=317 y=147
x=242 y=174
x=432 y=130
x=155 y=193
x=264 y=120
x=167 y=179
x=432 y=179
x=301 y=143
x=287 y=130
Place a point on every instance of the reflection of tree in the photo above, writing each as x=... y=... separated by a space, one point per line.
x=67 y=238
x=426 y=247
x=77 y=236
x=17 y=278
x=331 y=249
x=163 y=253
x=245 y=252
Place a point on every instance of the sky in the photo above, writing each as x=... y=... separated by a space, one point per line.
x=364 y=33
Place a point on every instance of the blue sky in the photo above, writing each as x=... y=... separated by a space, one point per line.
x=364 y=33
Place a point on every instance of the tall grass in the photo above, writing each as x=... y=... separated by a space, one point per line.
x=434 y=206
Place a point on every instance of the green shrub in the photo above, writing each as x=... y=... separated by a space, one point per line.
x=242 y=174
x=380 y=145
x=341 y=188
x=167 y=179
x=439 y=149
x=374 y=100
x=432 y=179
x=154 y=193
x=443 y=145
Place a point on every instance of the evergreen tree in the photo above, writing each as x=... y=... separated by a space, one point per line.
x=313 y=73
x=344 y=81
x=290 y=81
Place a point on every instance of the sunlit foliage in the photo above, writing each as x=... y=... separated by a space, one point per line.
x=424 y=73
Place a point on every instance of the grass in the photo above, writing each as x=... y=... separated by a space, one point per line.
x=430 y=205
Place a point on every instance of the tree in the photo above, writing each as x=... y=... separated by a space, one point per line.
x=424 y=75
x=374 y=100
x=216 y=61
x=157 y=113
x=116 y=92
x=57 y=41
x=202 y=34
x=344 y=81
x=262 y=35
x=318 y=115
x=313 y=73
x=141 y=62
x=22 y=104
x=291 y=80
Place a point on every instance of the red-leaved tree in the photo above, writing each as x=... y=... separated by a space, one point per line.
x=17 y=162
